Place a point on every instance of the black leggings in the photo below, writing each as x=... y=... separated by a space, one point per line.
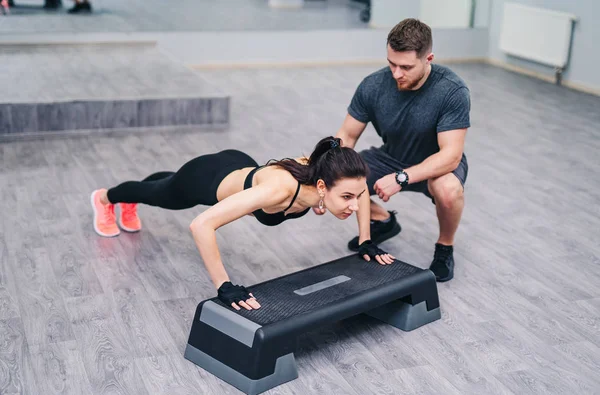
x=195 y=183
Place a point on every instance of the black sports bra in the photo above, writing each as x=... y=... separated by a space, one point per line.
x=277 y=218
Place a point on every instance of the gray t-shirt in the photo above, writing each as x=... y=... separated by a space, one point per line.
x=408 y=121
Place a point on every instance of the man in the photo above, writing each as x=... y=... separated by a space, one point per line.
x=421 y=111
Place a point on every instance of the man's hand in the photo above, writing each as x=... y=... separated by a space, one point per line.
x=386 y=187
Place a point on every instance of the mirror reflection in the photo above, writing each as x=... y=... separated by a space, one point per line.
x=117 y=16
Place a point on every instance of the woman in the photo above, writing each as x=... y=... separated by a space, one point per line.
x=334 y=177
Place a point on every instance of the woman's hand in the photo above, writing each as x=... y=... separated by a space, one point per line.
x=236 y=295
x=368 y=250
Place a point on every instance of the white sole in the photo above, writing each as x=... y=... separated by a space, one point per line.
x=120 y=223
x=126 y=229
x=95 y=214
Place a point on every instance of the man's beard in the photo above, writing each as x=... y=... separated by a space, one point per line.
x=412 y=85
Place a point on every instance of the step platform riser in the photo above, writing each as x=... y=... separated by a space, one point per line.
x=285 y=370
x=405 y=316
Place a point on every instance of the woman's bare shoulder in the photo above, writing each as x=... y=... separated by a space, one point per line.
x=280 y=179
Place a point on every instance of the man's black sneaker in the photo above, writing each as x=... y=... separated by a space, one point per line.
x=380 y=231
x=443 y=263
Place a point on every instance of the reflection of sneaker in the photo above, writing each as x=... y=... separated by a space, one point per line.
x=105 y=223
x=443 y=263
x=81 y=8
x=5 y=7
x=380 y=231
x=52 y=4
x=128 y=218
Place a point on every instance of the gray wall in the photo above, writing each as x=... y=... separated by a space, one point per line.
x=585 y=57
x=483 y=10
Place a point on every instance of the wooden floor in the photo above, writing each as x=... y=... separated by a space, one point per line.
x=80 y=314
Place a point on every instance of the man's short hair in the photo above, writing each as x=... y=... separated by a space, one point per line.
x=411 y=35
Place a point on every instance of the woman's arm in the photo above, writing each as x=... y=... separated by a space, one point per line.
x=368 y=250
x=364 y=217
x=204 y=226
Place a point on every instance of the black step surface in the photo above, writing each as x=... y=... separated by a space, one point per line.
x=279 y=302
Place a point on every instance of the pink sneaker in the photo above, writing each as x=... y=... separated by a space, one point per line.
x=105 y=223
x=128 y=218
x=5 y=7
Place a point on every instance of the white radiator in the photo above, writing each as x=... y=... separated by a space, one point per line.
x=537 y=34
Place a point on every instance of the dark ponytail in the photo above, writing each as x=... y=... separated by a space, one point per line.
x=329 y=161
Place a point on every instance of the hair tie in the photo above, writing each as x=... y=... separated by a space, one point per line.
x=334 y=144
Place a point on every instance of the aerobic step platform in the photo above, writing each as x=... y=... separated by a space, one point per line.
x=253 y=350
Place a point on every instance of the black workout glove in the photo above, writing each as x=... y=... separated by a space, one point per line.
x=229 y=293
x=369 y=248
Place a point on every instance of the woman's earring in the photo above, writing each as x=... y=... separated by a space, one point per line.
x=321 y=204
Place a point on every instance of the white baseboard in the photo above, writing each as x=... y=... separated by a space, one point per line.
x=286 y=4
x=543 y=77
x=379 y=62
x=477 y=59
x=296 y=64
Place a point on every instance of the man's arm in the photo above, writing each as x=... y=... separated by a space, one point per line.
x=350 y=131
x=451 y=131
x=443 y=162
